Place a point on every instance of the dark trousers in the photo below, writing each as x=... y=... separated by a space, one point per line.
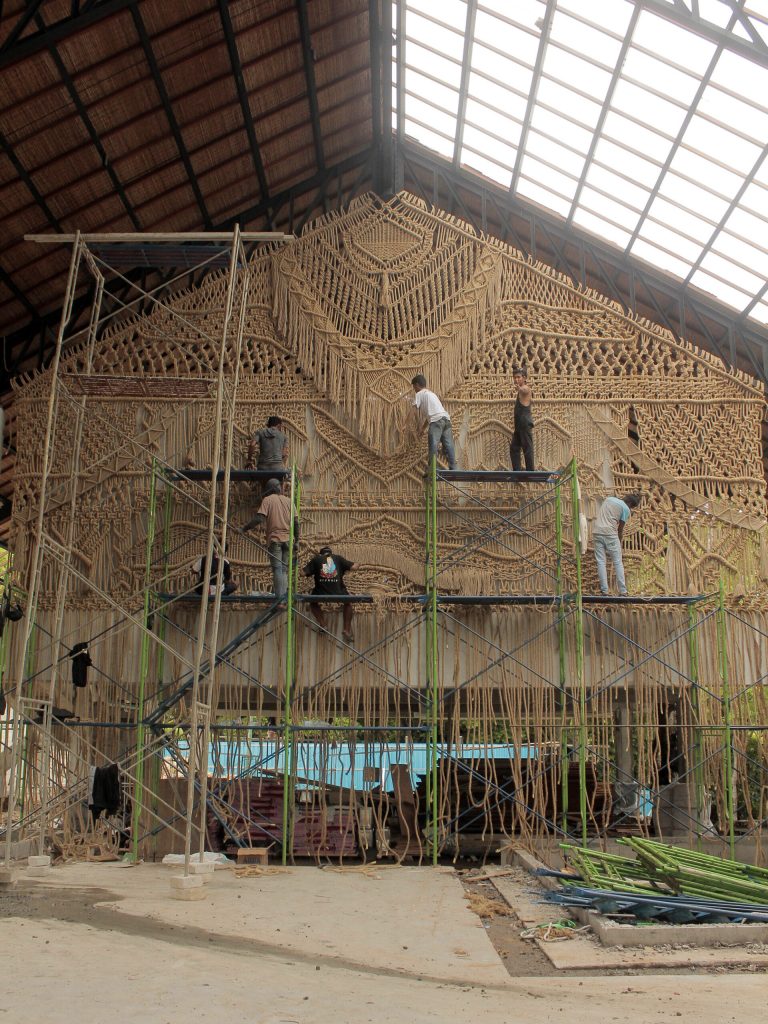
x=522 y=442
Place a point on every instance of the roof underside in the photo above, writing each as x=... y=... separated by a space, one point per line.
x=631 y=158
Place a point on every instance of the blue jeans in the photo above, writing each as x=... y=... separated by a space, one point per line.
x=440 y=431
x=609 y=546
x=278 y=557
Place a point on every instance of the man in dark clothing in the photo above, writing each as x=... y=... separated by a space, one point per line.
x=271 y=443
x=522 y=439
x=213 y=579
x=328 y=570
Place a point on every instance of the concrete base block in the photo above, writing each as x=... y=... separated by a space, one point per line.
x=204 y=871
x=7 y=878
x=39 y=861
x=184 y=882
x=189 y=894
x=39 y=872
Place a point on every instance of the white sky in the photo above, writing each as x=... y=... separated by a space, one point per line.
x=725 y=139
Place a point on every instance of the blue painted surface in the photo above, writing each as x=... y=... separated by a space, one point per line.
x=342 y=764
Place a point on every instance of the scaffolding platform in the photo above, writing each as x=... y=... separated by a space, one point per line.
x=492 y=476
x=640 y=600
x=234 y=474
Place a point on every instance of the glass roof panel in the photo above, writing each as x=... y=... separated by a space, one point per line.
x=601 y=227
x=519 y=37
x=722 y=290
x=700 y=172
x=660 y=257
x=439 y=36
x=760 y=313
x=484 y=166
x=452 y=12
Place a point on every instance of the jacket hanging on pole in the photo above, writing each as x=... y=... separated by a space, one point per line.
x=81 y=659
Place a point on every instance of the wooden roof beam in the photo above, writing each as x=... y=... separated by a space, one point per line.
x=308 y=55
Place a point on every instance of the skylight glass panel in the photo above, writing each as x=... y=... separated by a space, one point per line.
x=434 y=64
x=505 y=71
x=568 y=102
x=452 y=12
x=521 y=39
x=438 y=36
x=748 y=225
x=570 y=68
x=487 y=114
x=760 y=313
x=570 y=134
x=683 y=221
x=636 y=136
x=740 y=276
x=672 y=43
x=612 y=210
x=534 y=191
x=494 y=123
x=720 y=289
x=499 y=152
x=441 y=95
x=613 y=17
x=642 y=67
x=744 y=77
x=739 y=114
x=585 y=37
x=691 y=165
x=726 y=147
x=429 y=114
x=743 y=253
x=483 y=165
x=615 y=185
x=648 y=108
x=628 y=162
x=554 y=153
x=659 y=257
x=681 y=190
x=550 y=177
x=664 y=237
x=761 y=177
x=601 y=227
x=423 y=134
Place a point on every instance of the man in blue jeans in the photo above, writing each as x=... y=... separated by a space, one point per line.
x=429 y=407
x=275 y=513
x=606 y=538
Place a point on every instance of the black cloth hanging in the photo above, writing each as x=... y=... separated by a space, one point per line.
x=81 y=659
x=10 y=611
x=107 y=793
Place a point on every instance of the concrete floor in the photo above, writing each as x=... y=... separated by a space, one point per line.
x=303 y=946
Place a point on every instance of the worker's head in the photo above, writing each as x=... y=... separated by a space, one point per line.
x=273 y=486
x=274 y=421
x=419 y=382
x=520 y=375
x=325 y=550
x=632 y=500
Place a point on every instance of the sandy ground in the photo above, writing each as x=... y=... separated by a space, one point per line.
x=305 y=946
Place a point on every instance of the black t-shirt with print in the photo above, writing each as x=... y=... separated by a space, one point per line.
x=328 y=571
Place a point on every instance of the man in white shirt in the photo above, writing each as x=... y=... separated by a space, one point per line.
x=429 y=407
x=606 y=538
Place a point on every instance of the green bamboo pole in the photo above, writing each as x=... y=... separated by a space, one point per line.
x=428 y=498
x=138 y=793
x=435 y=805
x=561 y=640
x=722 y=652
x=290 y=661
x=30 y=660
x=698 y=767
x=580 y=681
x=161 y=629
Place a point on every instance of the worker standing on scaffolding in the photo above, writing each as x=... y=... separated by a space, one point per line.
x=269 y=447
x=522 y=438
x=275 y=513
x=429 y=407
x=606 y=538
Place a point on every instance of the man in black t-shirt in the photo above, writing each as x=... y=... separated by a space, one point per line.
x=328 y=570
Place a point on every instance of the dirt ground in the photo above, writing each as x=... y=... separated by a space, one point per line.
x=309 y=946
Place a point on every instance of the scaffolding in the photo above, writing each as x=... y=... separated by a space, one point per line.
x=442 y=726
